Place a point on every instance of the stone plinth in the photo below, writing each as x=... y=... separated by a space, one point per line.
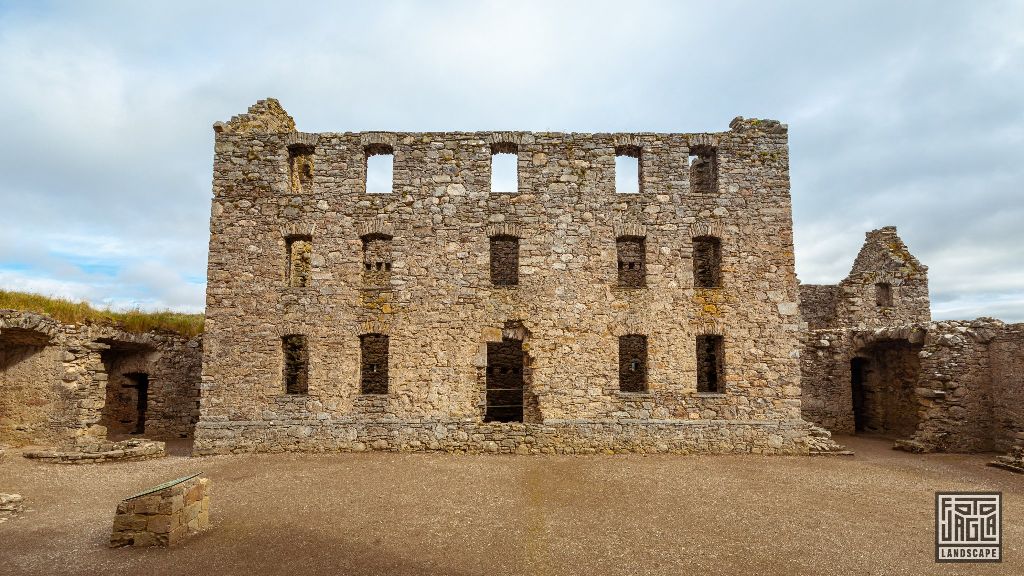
x=163 y=517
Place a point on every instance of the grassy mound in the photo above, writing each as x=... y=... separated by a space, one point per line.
x=69 y=312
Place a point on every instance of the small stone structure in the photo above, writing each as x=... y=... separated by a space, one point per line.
x=70 y=385
x=163 y=516
x=10 y=505
x=444 y=315
x=874 y=362
x=123 y=451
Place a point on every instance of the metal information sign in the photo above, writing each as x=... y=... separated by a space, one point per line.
x=167 y=484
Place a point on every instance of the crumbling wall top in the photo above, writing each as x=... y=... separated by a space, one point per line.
x=264 y=116
x=884 y=251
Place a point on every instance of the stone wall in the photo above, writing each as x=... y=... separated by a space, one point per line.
x=64 y=384
x=440 y=310
x=1006 y=358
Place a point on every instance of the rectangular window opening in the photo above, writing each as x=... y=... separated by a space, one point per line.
x=703 y=169
x=300 y=254
x=633 y=363
x=707 y=262
x=300 y=167
x=504 y=260
x=710 y=364
x=883 y=294
x=627 y=170
x=505 y=381
x=380 y=161
x=296 y=364
x=632 y=261
x=504 y=168
x=373 y=359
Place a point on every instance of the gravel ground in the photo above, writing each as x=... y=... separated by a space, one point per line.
x=381 y=513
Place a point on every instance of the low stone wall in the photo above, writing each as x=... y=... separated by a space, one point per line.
x=10 y=504
x=164 y=517
x=65 y=385
x=1014 y=460
x=553 y=437
x=126 y=450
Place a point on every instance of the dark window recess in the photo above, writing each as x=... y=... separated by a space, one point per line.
x=296 y=364
x=628 y=170
x=883 y=294
x=504 y=260
x=300 y=167
x=300 y=252
x=505 y=381
x=703 y=169
x=707 y=262
x=632 y=261
x=710 y=364
x=373 y=360
x=633 y=363
x=377 y=260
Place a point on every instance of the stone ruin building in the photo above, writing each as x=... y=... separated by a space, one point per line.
x=78 y=386
x=563 y=309
x=874 y=362
x=427 y=310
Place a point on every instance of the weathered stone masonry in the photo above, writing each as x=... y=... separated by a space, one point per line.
x=69 y=386
x=874 y=362
x=414 y=266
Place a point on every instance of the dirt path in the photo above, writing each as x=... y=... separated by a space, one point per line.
x=425 y=514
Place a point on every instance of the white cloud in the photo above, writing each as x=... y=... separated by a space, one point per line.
x=906 y=114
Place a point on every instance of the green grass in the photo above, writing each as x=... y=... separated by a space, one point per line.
x=68 y=312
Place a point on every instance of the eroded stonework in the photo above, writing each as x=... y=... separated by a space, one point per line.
x=70 y=385
x=414 y=265
x=875 y=363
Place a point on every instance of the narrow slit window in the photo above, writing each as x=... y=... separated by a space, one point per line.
x=504 y=167
x=707 y=262
x=633 y=363
x=703 y=169
x=300 y=256
x=504 y=260
x=300 y=167
x=710 y=364
x=373 y=359
x=632 y=261
x=627 y=170
x=377 y=260
x=883 y=294
x=296 y=364
x=380 y=173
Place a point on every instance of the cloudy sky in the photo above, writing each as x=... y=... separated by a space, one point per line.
x=900 y=113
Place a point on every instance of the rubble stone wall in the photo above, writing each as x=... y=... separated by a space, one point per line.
x=440 y=309
x=1007 y=364
x=55 y=390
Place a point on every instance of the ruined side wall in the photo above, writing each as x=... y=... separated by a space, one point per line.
x=1007 y=365
x=30 y=394
x=174 y=388
x=825 y=379
x=56 y=393
x=818 y=305
x=440 y=308
x=955 y=387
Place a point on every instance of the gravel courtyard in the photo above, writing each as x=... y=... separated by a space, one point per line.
x=381 y=513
